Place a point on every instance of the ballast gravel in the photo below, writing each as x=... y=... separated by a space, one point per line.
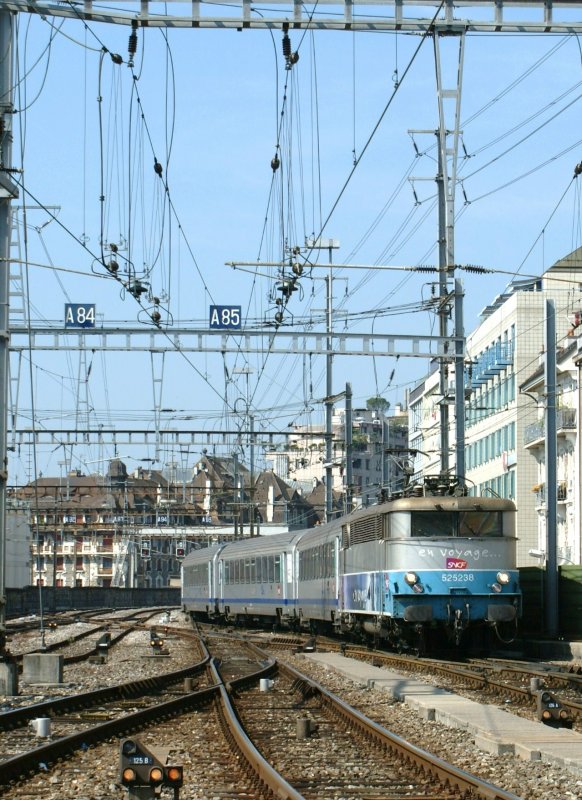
x=529 y=780
x=95 y=775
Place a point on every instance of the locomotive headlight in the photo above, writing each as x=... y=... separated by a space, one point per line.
x=503 y=578
x=496 y=587
x=411 y=578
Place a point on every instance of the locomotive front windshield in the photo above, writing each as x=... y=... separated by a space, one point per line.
x=467 y=524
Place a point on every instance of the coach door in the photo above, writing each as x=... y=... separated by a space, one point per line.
x=219 y=591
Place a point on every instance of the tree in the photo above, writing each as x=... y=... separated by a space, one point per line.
x=377 y=403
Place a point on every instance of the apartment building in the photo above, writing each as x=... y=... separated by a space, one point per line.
x=568 y=451
x=502 y=352
x=379 y=443
x=133 y=529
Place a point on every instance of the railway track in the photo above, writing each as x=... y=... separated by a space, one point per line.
x=325 y=748
x=234 y=761
x=510 y=682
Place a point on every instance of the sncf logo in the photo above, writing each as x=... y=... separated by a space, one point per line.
x=456 y=563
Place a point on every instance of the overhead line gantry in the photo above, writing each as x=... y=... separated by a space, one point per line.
x=398 y=15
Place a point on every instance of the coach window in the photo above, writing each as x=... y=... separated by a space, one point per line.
x=247 y=570
x=237 y=571
x=226 y=571
x=253 y=575
x=259 y=576
x=265 y=569
x=277 y=569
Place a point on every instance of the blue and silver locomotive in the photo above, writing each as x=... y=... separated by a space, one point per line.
x=408 y=572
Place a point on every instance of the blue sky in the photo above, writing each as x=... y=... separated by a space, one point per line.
x=214 y=101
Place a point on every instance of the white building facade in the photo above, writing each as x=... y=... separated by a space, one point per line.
x=502 y=352
x=568 y=454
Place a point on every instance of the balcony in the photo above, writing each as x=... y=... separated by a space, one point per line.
x=565 y=421
x=105 y=572
x=490 y=363
x=540 y=492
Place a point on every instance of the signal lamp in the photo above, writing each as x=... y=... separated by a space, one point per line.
x=411 y=578
x=496 y=587
x=503 y=578
x=156 y=775
x=417 y=588
x=128 y=747
x=128 y=775
x=175 y=775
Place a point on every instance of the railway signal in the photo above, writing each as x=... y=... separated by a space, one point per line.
x=551 y=711
x=145 y=771
x=156 y=642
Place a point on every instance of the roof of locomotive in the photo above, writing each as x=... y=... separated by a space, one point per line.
x=435 y=503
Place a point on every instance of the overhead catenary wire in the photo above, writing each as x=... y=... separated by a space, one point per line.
x=297 y=318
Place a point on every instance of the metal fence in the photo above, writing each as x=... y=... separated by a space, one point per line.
x=22 y=602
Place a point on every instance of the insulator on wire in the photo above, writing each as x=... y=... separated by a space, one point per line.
x=275 y=163
x=132 y=44
x=286 y=47
x=158 y=169
x=279 y=317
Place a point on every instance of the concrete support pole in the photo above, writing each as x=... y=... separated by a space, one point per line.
x=349 y=449
x=329 y=401
x=551 y=448
x=8 y=672
x=459 y=382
